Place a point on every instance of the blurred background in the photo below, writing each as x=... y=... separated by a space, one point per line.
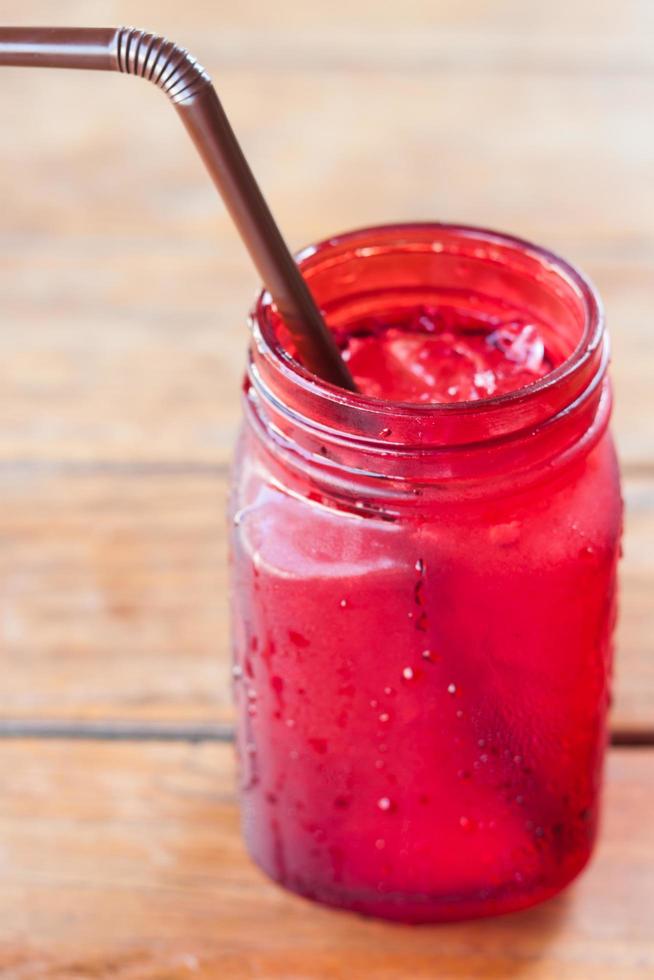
x=125 y=290
x=124 y=298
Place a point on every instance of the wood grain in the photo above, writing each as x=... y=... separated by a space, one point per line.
x=113 y=596
x=125 y=861
x=123 y=298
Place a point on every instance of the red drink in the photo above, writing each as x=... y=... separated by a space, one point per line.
x=424 y=588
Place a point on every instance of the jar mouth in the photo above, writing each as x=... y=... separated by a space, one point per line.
x=443 y=423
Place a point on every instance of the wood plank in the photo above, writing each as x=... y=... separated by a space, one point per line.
x=113 y=597
x=125 y=289
x=126 y=861
x=113 y=593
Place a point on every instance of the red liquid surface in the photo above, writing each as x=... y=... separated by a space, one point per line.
x=442 y=354
x=423 y=701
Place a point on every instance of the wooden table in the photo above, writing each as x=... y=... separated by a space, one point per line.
x=124 y=291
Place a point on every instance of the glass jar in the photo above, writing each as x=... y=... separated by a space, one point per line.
x=423 y=598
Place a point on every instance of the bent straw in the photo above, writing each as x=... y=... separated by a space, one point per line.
x=191 y=91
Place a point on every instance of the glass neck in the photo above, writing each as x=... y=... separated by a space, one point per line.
x=352 y=442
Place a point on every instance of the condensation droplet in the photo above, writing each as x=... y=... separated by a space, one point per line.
x=343 y=603
x=422 y=622
x=384 y=803
x=407 y=673
x=237 y=672
x=451 y=688
x=384 y=716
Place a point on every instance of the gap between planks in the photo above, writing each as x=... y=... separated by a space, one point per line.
x=183 y=468
x=162 y=732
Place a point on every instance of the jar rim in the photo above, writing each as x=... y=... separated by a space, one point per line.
x=584 y=351
x=361 y=417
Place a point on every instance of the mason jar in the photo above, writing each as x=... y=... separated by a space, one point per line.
x=423 y=596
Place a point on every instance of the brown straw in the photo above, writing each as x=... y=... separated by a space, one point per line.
x=190 y=90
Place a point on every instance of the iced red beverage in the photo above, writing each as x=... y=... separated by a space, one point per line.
x=423 y=579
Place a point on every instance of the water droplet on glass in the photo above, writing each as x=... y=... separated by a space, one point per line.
x=459 y=713
x=384 y=716
x=422 y=622
x=451 y=688
x=384 y=803
x=237 y=672
x=407 y=674
x=389 y=690
x=343 y=603
x=385 y=433
x=420 y=566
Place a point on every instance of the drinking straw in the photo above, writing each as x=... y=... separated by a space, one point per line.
x=191 y=91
